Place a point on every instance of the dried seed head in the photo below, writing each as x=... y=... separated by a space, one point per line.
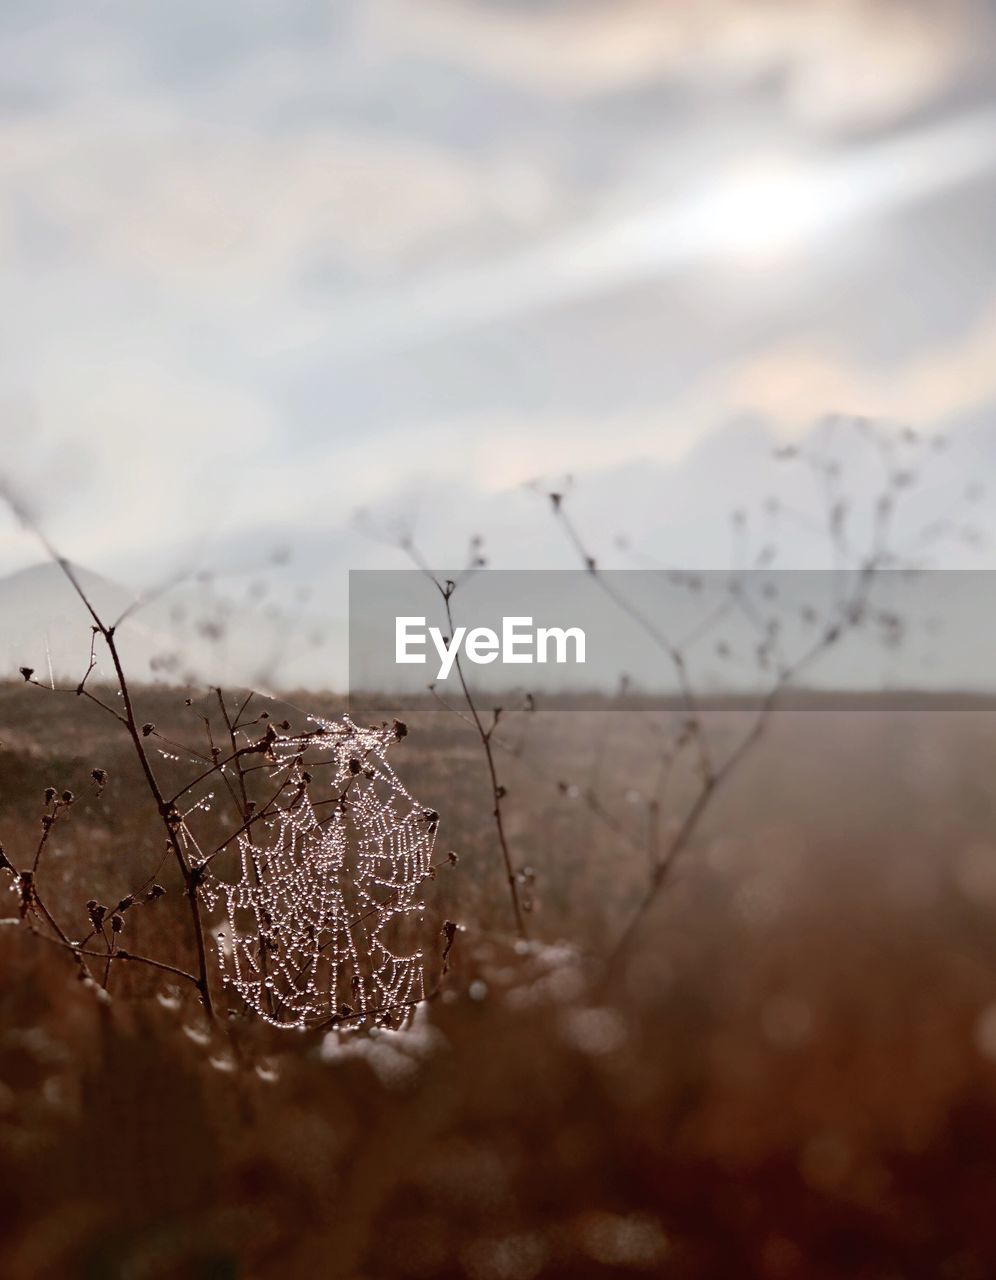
x=26 y=885
x=68 y=797
x=49 y=794
x=400 y=729
x=157 y=891
x=26 y=672
x=117 y=923
x=148 y=728
x=99 y=776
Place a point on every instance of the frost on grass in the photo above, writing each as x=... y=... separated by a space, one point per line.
x=323 y=917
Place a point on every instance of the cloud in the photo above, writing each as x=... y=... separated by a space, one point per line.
x=202 y=208
x=133 y=459
x=791 y=384
x=841 y=62
x=514 y=236
x=781 y=210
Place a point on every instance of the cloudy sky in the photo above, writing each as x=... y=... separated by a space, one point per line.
x=266 y=262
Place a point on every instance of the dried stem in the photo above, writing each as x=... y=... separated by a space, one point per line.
x=485 y=734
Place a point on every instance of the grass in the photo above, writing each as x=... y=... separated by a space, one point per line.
x=793 y=1073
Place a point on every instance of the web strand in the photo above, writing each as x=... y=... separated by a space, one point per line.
x=323 y=919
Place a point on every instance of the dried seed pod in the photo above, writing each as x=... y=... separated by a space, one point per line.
x=26 y=886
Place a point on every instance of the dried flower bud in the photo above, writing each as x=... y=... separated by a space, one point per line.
x=449 y=932
x=68 y=797
x=49 y=794
x=96 y=913
x=26 y=885
x=117 y=923
x=26 y=672
x=148 y=728
x=157 y=891
x=400 y=729
x=99 y=776
x=127 y=901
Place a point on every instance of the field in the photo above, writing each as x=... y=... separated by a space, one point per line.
x=790 y=1072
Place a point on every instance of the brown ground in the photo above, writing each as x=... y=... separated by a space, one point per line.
x=794 y=1074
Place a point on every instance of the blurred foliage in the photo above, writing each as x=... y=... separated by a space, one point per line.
x=794 y=1075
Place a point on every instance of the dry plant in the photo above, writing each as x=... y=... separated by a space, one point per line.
x=864 y=546
x=326 y=862
x=319 y=868
x=858 y=564
x=485 y=733
x=484 y=728
x=777 y=1094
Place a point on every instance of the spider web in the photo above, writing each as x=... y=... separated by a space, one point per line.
x=323 y=920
